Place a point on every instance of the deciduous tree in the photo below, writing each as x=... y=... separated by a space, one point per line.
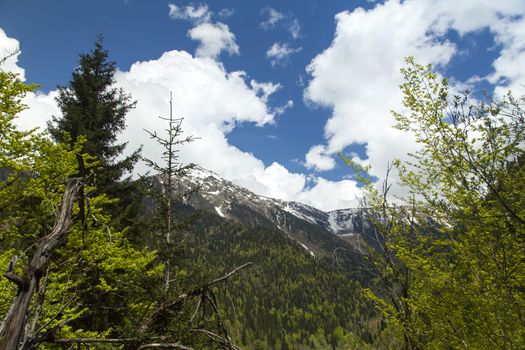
x=454 y=249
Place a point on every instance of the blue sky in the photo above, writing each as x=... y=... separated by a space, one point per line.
x=273 y=88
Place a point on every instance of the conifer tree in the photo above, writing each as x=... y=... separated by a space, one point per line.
x=93 y=107
x=48 y=291
x=172 y=167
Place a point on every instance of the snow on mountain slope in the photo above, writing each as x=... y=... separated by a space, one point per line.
x=231 y=201
x=346 y=221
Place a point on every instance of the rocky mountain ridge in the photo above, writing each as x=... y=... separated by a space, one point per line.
x=314 y=229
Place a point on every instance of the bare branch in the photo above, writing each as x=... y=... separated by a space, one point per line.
x=181 y=299
x=165 y=346
x=73 y=341
x=11 y=274
x=14 y=321
x=13 y=277
x=89 y=340
x=218 y=339
x=9 y=55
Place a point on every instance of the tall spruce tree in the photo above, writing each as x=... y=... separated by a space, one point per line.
x=93 y=107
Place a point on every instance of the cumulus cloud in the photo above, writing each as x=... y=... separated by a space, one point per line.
x=42 y=106
x=278 y=53
x=329 y=195
x=318 y=159
x=9 y=52
x=212 y=101
x=509 y=67
x=358 y=75
x=281 y=109
x=190 y=13
x=214 y=38
x=264 y=89
x=506 y=21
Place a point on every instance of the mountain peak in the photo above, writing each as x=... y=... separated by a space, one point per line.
x=231 y=201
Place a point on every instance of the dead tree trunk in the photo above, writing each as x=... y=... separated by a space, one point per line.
x=16 y=318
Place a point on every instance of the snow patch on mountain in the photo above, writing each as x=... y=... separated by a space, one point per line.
x=217 y=193
x=292 y=209
x=344 y=220
x=308 y=249
x=201 y=173
x=218 y=210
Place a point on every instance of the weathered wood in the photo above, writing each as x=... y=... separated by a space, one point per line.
x=176 y=346
x=202 y=290
x=71 y=341
x=90 y=340
x=15 y=320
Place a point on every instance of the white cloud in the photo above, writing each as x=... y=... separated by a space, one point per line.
x=9 y=54
x=510 y=65
x=294 y=28
x=281 y=109
x=199 y=14
x=214 y=38
x=505 y=20
x=278 y=53
x=225 y=13
x=272 y=17
x=264 y=90
x=212 y=101
x=42 y=107
x=317 y=158
x=358 y=75
x=330 y=195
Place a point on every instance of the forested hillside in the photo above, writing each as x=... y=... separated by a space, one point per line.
x=287 y=299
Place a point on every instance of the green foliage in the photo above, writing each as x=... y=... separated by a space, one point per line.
x=92 y=271
x=32 y=171
x=452 y=258
x=361 y=171
x=93 y=108
x=288 y=299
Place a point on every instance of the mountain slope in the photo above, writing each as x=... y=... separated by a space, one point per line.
x=287 y=299
x=317 y=231
x=298 y=294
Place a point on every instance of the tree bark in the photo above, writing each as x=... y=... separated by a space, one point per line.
x=27 y=285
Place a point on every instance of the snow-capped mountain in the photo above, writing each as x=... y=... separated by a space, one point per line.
x=314 y=229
